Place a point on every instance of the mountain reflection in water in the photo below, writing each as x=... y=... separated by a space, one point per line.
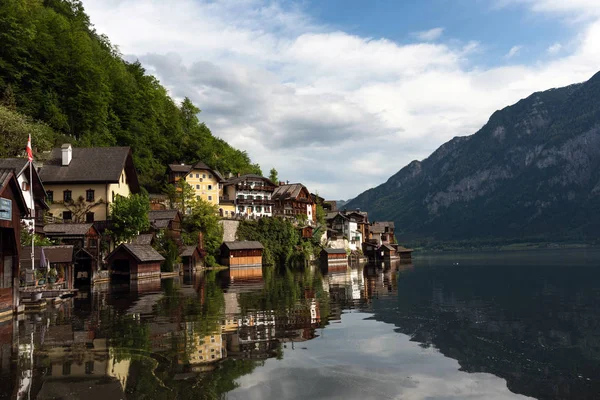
x=489 y=327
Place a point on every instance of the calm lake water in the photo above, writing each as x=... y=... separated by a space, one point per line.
x=487 y=326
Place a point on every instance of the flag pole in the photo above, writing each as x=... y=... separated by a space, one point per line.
x=30 y=156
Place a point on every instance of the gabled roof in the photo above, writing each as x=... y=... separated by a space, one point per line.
x=141 y=252
x=243 y=245
x=8 y=177
x=188 y=251
x=25 y=256
x=67 y=229
x=387 y=246
x=180 y=167
x=58 y=254
x=20 y=166
x=145 y=238
x=170 y=215
x=379 y=227
x=93 y=164
x=290 y=191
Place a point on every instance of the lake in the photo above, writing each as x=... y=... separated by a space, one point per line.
x=481 y=325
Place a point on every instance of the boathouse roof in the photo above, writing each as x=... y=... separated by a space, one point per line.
x=243 y=245
x=188 y=251
x=141 y=252
x=145 y=238
x=68 y=229
x=335 y=251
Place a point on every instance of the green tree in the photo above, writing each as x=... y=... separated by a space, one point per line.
x=274 y=176
x=181 y=195
x=167 y=247
x=129 y=216
x=204 y=218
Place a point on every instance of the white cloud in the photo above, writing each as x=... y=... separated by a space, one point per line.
x=554 y=49
x=429 y=35
x=515 y=50
x=336 y=111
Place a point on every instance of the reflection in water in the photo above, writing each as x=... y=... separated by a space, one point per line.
x=356 y=332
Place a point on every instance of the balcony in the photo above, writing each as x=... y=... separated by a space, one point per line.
x=254 y=202
x=255 y=188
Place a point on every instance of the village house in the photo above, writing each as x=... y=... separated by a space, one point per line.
x=204 y=180
x=12 y=209
x=85 y=240
x=292 y=200
x=247 y=196
x=382 y=232
x=241 y=254
x=168 y=221
x=134 y=261
x=346 y=226
x=82 y=183
x=59 y=258
x=333 y=257
x=34 y=195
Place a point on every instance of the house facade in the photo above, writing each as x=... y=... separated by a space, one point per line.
x=33 y=193
x=247 y=196
x=12 y=209
x=204 y=180
x=82 y=183
x=292 y=200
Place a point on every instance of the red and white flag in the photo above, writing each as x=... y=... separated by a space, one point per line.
x=29 y=152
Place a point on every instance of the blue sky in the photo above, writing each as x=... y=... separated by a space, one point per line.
x=340 y=95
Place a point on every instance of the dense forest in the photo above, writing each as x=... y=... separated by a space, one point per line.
x=61 y=81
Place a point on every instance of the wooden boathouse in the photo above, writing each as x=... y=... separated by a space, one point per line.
x=241 y=254
x=134 y=261
x=334 y=257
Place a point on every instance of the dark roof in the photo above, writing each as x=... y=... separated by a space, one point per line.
x=402 y=249
x=16 y=164
x=290 y=191
x=243 y=178
x=141 y=252
x=201 y=165
x=145 y=238
x=387 y=246
x=383 y=224
x=162 y=214
x=160 y=223
x=335 y=251
x=243 y=245
x=180 y=167
x=58 y=254
x=93 y=164
x=67 y=229
x=188 y=251
x=7 y=175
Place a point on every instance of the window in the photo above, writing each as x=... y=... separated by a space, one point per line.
x=67 y=215
x=67 y=195
x=209 y=176
x=123 y=178
x=197 y=175
x=197 y=187
x=241 y=209
x=258 y=209
x=7 y=276
x=113 y=196
x=209 y=187
x=89 y=217
x=209 y=198
x=203 y=175
x=90 y=195
x=50 y=194
x=267 y=209
x=66 y=368
x=25 y=186
x=89 y=367
x=92 y=243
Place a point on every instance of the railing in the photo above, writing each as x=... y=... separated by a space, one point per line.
x=252 y=202
x=257 y=188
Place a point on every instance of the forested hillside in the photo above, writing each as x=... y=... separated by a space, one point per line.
x=57 y=70
x=530 y=174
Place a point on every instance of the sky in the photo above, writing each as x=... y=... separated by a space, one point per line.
x=341 y=94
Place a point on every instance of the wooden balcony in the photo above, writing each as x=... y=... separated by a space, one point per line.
x=255 y=188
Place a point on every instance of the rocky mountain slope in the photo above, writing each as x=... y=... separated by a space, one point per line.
x=530 y=173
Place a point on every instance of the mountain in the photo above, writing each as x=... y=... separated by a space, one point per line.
x=531 y=173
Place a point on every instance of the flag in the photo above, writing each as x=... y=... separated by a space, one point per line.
x=29 y=152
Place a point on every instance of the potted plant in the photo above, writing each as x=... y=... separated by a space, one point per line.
x=52 y=275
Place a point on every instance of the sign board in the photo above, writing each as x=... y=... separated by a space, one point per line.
x=5 y=209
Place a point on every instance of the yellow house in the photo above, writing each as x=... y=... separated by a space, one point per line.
x=82 y=182
x=204 y=180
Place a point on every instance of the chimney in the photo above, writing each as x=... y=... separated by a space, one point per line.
x=281 y=183
x=67 y=154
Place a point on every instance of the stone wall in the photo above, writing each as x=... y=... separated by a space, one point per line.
x=230 y=228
